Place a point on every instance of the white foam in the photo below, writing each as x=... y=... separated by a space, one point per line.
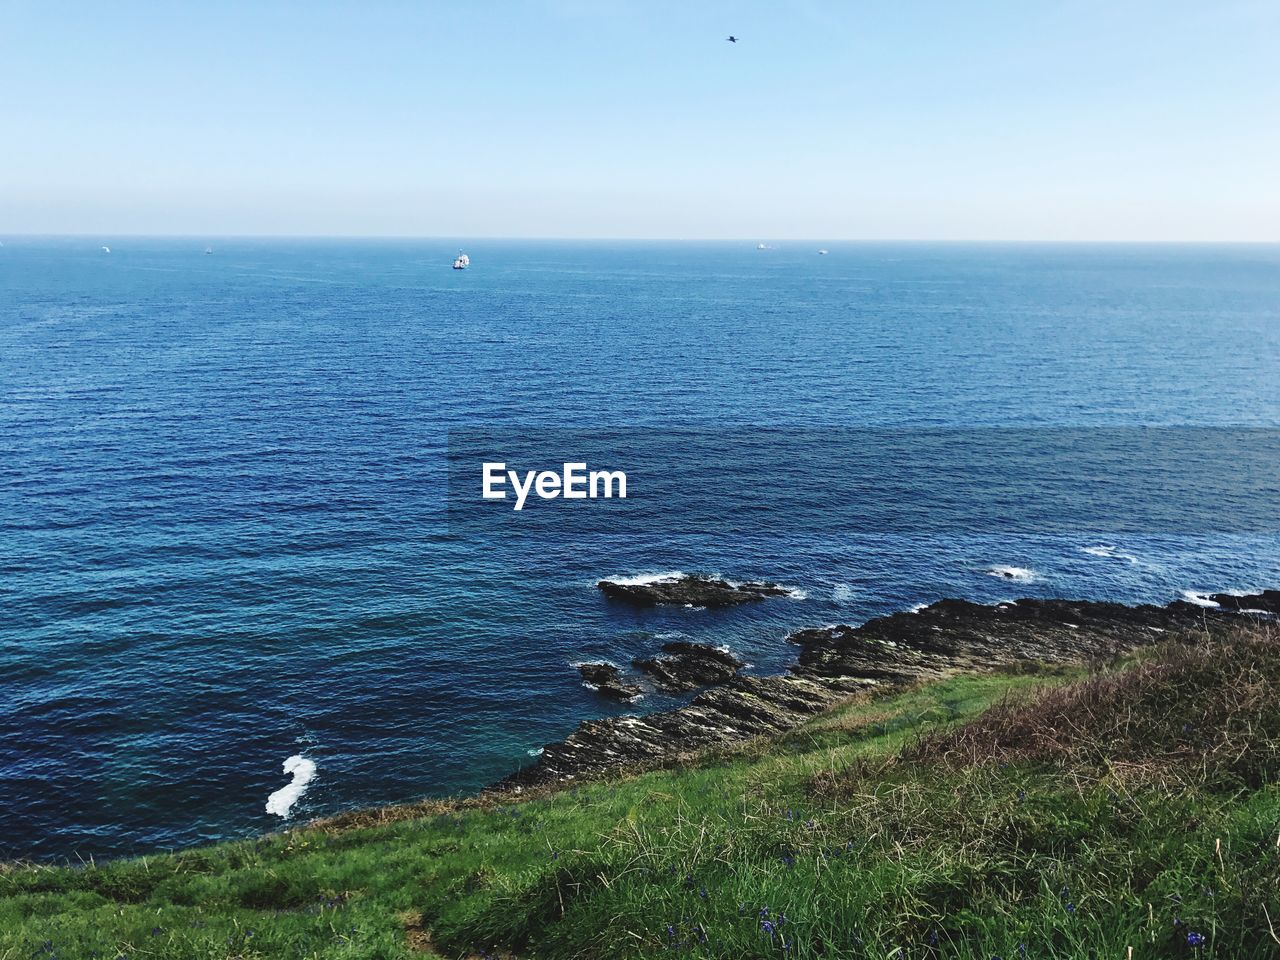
x=1199 y=599
x=918 y=607
x=535 y=752
x=643 y=578
x=1019 y=574
x=303 y=770
x=1108 y=553
x=842 y=592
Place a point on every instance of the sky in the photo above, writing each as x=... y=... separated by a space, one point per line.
x=830 y=119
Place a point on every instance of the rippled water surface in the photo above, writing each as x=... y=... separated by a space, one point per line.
x=223 y=486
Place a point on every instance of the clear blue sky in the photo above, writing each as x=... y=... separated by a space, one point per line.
x=991 y=119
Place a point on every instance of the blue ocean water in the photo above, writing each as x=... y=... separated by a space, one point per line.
x=223 y=529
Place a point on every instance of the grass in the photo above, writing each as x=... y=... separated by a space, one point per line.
x=1052 y=814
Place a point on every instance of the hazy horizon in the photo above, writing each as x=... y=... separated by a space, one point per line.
x=479 y=238
x=1084 y=121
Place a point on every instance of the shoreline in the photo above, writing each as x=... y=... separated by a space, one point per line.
x=889 y=652
x=835 y=664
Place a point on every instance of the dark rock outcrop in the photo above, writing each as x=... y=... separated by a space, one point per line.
x=684 y=666
x=607 y=680
x=690 y=591
x=1268 y=601
x=838 y=661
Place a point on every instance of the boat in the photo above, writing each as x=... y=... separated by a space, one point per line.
x=761 y=246
x=822 y=253
x=208 y=250
x=462 y=262
x=105 y=248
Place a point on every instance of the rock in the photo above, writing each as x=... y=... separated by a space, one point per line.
x=684 y=666
x=690 y=591
x=606 y=680
x=1268 y=601
x=838 y=661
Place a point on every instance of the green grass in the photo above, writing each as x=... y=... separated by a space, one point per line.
x=894 y=827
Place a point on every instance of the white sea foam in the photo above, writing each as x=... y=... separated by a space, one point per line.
x=535 y=752
x=303 y=770
x=1199 y=599
x=643 y=578
x=842 y=593
x=918 y=607
x=1108 y=553
x=1018 y=574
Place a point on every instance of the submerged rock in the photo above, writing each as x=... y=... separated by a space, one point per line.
x=690 y=590
x=684 y=666
x=838 y=661
x=607 y=680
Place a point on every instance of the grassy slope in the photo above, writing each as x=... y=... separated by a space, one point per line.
x=851 y=838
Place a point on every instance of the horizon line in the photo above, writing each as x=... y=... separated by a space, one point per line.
x=626 y=239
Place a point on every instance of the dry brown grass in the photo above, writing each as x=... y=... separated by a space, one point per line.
x=1203 y=707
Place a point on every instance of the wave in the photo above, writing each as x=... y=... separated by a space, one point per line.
x=643 y=578
x=1198 y=598
x=1108 y=553
x=1017 y=574
x=282 y=800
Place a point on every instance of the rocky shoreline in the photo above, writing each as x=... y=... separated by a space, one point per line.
x=837 y=661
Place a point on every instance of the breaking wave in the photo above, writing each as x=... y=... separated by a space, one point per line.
x=282 y=800
x=1016 y=574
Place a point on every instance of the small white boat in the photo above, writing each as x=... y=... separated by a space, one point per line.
x=761 y=246
x=462 y=262
x=208 y=250
x=105 y=248
x=822 y=253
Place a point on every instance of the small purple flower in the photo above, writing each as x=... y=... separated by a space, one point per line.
x=768 y=927
x=1195 y=939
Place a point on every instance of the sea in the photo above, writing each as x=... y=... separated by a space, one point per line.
x=240 y=587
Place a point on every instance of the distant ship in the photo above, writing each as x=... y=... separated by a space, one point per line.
x=208 y=250
x=761 y=246
x=822 y=253
x=105 y=248
x=462 y=262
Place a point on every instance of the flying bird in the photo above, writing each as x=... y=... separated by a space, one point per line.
x=731 y=39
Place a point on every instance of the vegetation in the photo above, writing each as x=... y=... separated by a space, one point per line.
x=1044 y=814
